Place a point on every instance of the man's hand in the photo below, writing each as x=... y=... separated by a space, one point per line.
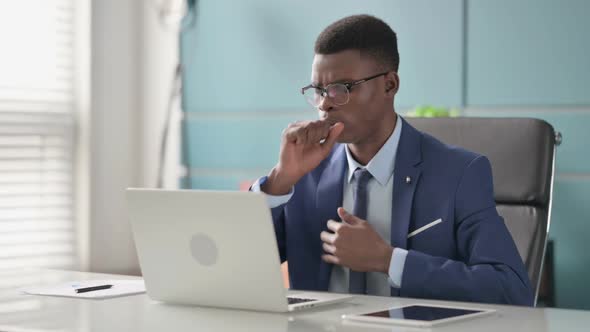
x=355 y=244
x=301 y=152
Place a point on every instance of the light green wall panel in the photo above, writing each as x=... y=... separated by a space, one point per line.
x=257 y=54
x=528 y=52
x=216 y=182
x=237 y=142
x=570 y=231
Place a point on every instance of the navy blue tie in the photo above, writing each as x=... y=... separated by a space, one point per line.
x=358 y=280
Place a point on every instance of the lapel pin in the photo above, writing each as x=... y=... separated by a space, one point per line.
x=408 y=179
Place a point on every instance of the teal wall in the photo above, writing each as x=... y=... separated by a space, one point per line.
x=532 y=58
x=245 y=61
x=530 y=53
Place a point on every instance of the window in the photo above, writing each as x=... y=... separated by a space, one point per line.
x=37 y=130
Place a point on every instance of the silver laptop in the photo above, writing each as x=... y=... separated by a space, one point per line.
x=212 y=248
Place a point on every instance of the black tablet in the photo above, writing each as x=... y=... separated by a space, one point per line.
x=418 y=315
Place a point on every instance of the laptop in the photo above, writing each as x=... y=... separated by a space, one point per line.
x=212 y=248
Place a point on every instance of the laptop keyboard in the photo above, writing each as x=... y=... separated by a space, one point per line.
x=295 y=300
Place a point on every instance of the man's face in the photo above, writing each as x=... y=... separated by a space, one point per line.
x=369 y=102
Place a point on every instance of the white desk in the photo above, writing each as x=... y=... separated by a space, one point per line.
x=20 y=312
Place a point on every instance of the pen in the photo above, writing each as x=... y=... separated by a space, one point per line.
x=93 y=288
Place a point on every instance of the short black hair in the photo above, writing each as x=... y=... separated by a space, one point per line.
x=366 y=33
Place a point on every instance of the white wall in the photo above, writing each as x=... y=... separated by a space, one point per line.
x=158 y=59
x=131 y=67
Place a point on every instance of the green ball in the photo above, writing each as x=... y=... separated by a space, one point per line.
x=430 y=112
x=419 y=111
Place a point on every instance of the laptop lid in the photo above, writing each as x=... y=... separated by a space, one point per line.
x=210 y=248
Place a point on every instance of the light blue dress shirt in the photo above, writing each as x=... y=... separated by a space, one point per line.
x=380 y=196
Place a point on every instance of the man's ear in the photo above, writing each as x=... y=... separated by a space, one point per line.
x=391 y=83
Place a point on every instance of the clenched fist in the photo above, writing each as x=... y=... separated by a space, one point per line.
x=303 y=147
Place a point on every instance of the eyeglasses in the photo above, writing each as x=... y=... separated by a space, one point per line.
x=338 y=92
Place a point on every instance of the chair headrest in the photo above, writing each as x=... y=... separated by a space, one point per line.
x=520 y=151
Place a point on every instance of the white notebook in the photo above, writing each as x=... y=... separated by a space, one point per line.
x=118 y=288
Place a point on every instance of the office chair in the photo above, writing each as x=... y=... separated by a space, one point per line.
x=522 y=154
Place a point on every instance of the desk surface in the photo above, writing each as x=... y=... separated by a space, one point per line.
x=20 y=312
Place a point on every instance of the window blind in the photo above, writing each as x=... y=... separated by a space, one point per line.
x=37 y=130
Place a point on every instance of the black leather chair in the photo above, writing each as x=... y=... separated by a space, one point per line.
x=522 y=154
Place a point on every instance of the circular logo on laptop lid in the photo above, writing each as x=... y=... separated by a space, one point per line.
x=203 y=249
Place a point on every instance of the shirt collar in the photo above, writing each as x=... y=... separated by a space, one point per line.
x=383 y=163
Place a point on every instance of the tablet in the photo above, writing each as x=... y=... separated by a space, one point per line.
x=419 y=315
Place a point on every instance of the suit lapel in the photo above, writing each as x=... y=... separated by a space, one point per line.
x=406 y=177
x=328 y=199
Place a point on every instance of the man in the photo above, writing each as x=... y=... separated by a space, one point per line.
x=364 y=203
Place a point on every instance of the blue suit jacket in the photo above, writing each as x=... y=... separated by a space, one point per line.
x=470 y=256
